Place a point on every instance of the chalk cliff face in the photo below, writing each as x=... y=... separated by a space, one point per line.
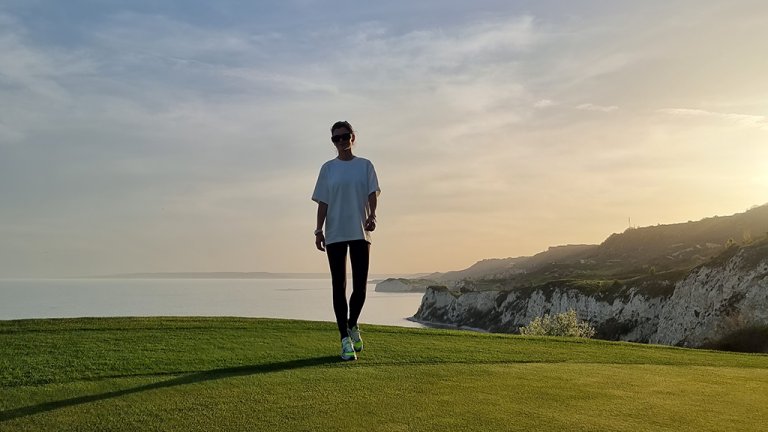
x=716 y=300
x=632 y=318
x=712 y=301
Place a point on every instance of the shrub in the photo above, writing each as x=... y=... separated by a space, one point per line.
x=752 y=339
x=564 y=324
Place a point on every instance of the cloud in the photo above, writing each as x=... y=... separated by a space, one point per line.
x=32 y=70
x=164 y=36
x=544 y=103
x=593 y=107
x=436 y=50
x=740 y=119
x=275 y=80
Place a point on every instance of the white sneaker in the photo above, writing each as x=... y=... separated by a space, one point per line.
x=357 y=341
x=347 y=351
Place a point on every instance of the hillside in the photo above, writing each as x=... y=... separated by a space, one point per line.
x=665 y=252
x=492 y=267
x=682 y=244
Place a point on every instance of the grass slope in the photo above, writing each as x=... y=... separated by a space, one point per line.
x=207 y=374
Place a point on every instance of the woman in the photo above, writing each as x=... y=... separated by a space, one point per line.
x=346 y=193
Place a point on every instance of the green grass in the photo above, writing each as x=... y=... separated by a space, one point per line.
x=209 y=374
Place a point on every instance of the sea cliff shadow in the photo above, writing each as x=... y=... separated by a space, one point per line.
x=209 y=375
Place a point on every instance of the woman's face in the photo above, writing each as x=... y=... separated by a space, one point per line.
x=342 y=138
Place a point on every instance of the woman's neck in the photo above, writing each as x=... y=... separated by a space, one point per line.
x=346 y=155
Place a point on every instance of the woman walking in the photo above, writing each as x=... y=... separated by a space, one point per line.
x=346 y=193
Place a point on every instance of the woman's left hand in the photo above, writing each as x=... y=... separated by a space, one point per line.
x=370 y=223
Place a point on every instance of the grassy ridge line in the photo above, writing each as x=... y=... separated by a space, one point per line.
x=34 y=352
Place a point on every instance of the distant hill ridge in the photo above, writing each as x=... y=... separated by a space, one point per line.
x=636 y=251
x=667 y=240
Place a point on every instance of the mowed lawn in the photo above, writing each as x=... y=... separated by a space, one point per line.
x=210 y=374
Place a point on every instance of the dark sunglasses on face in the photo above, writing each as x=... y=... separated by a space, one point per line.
x=341 y=137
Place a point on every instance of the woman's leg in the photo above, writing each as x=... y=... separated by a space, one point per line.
x=359 y=253
x=337 y=261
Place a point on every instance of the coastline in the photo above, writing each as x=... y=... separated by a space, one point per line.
x=302 y=299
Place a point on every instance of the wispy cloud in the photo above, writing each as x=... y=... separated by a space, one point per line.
x=741 y=119
x=274 y=81
x=593 y=107
x=34 y=70
x=544 y=103
x=421 y=56
x=128 y=33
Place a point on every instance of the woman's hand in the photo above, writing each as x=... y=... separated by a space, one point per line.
x=320 y=242
x=370 y=223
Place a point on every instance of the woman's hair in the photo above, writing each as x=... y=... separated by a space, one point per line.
x=342 y=124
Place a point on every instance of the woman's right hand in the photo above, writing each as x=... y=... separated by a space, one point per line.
x=320 y=242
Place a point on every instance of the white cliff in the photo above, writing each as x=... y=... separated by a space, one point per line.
x=712 y=301
x=631 y=318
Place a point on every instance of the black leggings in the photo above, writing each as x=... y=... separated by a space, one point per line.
x=359 y=251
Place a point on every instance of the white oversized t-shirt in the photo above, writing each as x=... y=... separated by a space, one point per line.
x=345 y=186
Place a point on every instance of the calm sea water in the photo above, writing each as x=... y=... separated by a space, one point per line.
x=306 y=299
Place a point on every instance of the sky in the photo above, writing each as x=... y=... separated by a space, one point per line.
x=146 y=136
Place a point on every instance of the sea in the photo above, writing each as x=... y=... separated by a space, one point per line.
x=303 y=299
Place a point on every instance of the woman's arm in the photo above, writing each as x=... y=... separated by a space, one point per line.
x=322 y=211
x=370 y=223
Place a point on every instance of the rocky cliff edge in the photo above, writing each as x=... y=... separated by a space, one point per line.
x=724 y=295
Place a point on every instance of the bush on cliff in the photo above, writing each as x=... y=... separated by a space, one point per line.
x=564 y=324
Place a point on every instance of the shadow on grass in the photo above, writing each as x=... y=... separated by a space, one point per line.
x=209 y=375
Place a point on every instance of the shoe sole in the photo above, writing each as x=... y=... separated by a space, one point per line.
x=352 y=358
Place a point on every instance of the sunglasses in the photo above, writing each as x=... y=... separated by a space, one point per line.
x=341 y=137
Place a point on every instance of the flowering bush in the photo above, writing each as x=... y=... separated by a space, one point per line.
x=564 y=324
